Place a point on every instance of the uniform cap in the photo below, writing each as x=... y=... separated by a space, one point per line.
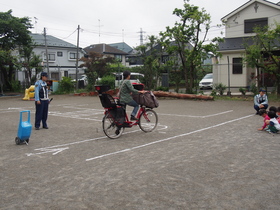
x=44 y=74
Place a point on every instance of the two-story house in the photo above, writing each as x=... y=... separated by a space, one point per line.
x=239 y=25
x=61 y=57
x=108 y=51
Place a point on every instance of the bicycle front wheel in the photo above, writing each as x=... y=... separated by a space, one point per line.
x=148 y=120
x=110 y=128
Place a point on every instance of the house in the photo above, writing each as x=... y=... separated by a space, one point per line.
x=239 y=25
x=122 y=46
x=61 y=57
x=108 y=51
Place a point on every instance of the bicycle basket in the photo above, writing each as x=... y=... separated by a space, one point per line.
x=107 y=101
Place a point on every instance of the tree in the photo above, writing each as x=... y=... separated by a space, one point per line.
x=96 y=66
x=150 y=54
x=185 y=40
x=13 y=33
x=30 y=61
x=264 y=54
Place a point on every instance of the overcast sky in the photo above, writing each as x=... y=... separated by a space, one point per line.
x=111 y=21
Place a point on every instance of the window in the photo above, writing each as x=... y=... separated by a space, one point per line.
x=51 y=57
x=59 y=54
x=73 y=55
x=237 y=67
x=249 y=25
x=55 y=75
x=118 y=57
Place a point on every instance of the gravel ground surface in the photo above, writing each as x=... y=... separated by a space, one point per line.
x=203 y=155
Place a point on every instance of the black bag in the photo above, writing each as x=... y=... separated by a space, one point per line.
x=147 y=99
x=118 y=114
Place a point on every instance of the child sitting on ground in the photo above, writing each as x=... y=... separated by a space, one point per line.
x=266 y=119
x=274 y=125
x=274 y=109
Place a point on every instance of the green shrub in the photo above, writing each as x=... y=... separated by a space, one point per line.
x=65 y=85
x=160 y=88
x=214 y=92
x=16 y=87
x=201 y=92
x=254 y=89
x=220 y=88
x=242 y=91
x=108 y=80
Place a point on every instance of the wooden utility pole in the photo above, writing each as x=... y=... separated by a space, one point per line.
x=77 y=58
x=47 y=54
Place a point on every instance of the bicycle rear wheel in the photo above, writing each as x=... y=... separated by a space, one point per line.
x=148 y=120
x=110 y=128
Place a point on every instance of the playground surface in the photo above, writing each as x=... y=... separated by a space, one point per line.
x=203 y=155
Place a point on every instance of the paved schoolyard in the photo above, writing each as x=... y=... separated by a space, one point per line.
x=203 y=155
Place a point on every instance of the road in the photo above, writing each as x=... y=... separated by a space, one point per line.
x=203 y=155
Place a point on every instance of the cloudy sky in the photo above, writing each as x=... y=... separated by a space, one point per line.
x=111 y=21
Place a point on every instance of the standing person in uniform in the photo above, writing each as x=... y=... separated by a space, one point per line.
x=41 y=102
x=260 y=101
x=125 y=94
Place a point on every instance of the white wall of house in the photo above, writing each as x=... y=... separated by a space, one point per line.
x=62 y=62
x=223 y=72
x=235 y=28
x=259 y=9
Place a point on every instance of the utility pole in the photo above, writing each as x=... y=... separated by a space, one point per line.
x=47 y=54
x=77 y=58
x=141 y=36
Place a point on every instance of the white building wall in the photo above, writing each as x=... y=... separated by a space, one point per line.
x=60 y=64
x=222 y=72
x=235 y=24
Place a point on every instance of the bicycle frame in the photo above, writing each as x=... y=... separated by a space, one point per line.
x=127 y=122
x=116 y=120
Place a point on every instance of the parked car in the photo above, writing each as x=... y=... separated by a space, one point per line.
x=83 y=78
x=206 y=82
x=134 y=78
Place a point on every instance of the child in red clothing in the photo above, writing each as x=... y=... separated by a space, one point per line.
x=266 y=119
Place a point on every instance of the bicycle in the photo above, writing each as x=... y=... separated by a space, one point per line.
x=115 y=119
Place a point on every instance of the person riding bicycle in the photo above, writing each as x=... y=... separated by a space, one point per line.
x=126 y=89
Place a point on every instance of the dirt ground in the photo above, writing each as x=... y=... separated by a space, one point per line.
x=203 y=155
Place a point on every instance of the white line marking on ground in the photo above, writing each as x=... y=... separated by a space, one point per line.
x=58 y=150
x=166 y=139
x=46 y=150
x=205 y=116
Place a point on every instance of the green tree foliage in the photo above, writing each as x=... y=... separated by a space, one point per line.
x=30 y=61
x=96 y=66
x=65 y=85
x=188 y=39
x=108 y=80
x=264 y=54
x=13 y=34
x=150 y=54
